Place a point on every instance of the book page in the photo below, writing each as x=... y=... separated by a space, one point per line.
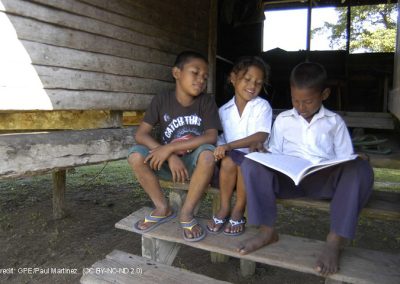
x=291 y=166
x=294 y=167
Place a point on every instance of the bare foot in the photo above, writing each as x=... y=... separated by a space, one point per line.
x=328 y=260
x=265 y=236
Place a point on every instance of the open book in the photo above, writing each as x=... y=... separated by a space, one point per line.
x=294 y=167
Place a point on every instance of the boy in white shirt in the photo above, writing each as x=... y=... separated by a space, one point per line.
x=311 y=132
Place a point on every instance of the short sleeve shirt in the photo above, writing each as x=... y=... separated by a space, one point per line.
x=256 y=117
x=177 y=121
x=325 y=137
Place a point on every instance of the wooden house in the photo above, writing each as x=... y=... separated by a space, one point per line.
x=70 y=69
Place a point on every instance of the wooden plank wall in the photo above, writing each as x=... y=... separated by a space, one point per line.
x=94 y=54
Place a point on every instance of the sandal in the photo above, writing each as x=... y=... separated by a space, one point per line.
x=217 y=221
x=157 y=220
x=235 y=224
x=189 y=226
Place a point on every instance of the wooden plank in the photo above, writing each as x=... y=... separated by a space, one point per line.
x=382 y=205
x=356 y=265
x=80 y=23
x=24 y=154
x=59 y=182
x=83 y=9
x=48 y=55
x=52 y=120
x=59 y=36
x=375 y=120
x=132 y=117
x=122 y=267
x=61 y=78
x=57 y=99
x=176 y=21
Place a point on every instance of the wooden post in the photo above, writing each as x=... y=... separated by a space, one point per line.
x=59 y=179
x=159 y=250
x=212 y=46
x=247 y=267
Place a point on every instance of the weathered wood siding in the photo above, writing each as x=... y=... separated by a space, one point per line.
x=94 y=54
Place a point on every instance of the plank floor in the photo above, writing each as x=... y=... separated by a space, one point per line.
x=294 y=253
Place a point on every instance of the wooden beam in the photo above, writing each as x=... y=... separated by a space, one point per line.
x=53 y=120
x=25 y=154
x=24 y=99
x=59 y=182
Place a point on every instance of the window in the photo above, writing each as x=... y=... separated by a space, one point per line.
x=372 y=29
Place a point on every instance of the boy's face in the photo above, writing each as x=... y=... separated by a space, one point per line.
x=248 y=83
x=192 y=78
x=307 y=101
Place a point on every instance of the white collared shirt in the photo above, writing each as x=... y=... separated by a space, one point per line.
x=325 y=137
x=256 y=117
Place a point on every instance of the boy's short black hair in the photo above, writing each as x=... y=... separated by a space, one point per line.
x=309 y=75
x=187 y=55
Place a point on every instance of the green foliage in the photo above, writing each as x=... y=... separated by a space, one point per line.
x=373 y=28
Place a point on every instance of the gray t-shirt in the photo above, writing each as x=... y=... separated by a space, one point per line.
x=178 y=122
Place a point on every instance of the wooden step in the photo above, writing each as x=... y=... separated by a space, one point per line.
x=356 y=265
x=122 y=267
x=382 y=205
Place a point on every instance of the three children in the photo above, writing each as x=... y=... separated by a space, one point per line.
x=189 y=124
x=246 y=122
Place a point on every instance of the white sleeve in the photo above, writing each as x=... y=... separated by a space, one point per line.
x=342 y=143
x=275 y=143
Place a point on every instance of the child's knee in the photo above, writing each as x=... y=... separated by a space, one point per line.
x=135 y=160
x=206 y=158
x=228 y=164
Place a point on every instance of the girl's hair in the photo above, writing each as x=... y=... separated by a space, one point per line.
x=309 y=75
x=185 y=56
x=245 y=62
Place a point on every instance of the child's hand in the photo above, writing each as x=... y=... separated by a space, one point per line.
x=257 y=147
x=178 y=169
x=220 y=151
x=157 y=157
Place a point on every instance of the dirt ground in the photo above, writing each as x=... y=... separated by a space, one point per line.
x=99 y=196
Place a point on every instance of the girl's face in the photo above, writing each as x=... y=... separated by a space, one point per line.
x=248 y=83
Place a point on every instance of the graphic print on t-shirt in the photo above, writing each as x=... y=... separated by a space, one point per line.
x=181 y=126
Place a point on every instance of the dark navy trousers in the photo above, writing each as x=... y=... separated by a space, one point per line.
x=347 y=185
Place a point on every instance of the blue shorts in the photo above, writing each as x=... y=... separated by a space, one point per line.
x=190 y=159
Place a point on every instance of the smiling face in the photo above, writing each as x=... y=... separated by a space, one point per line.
x=307 y=101
x=247 y=83
x=191 y=79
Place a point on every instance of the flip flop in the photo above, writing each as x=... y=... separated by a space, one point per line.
x=367 y=140
x=236 y=223
x=189 y=226
x=217 y=221
x=157 y=220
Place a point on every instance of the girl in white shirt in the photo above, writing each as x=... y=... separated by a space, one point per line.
x=246 y=122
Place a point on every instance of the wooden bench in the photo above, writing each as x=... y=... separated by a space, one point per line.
x=122 y=267
x=382 y=205
x=25 y=154
x=295 y=253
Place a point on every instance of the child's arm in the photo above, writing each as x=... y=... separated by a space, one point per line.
x=143 y=136
x=253 y=141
